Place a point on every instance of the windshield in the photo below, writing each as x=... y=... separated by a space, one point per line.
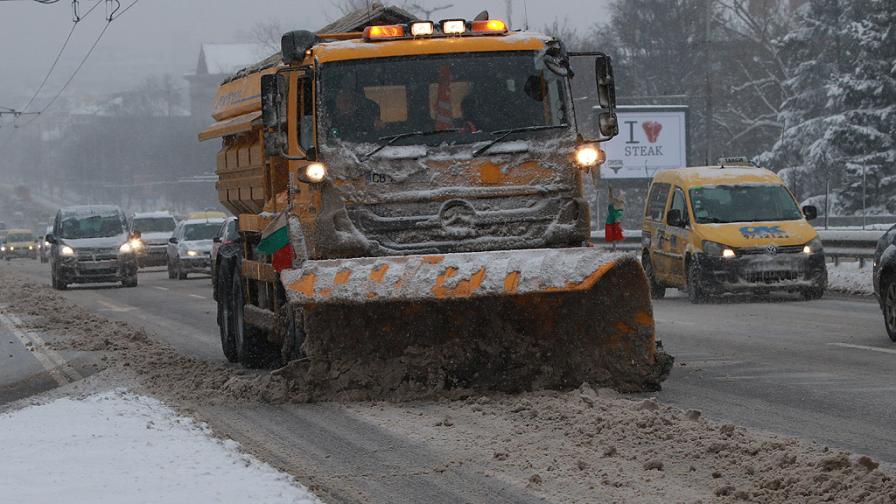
x=204 y=231
x=743 y=203
x=92 y=226
x=19 y=237
x=473 y=93
x=154 y=224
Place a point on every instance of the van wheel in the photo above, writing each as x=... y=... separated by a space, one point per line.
x=57 y=283
x=657 y=291
x=696 y=293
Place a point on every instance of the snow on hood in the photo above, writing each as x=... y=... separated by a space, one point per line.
x=156 y=237
x=202 y=245
x=104 y=242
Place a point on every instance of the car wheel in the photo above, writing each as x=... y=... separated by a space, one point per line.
x=813 y=293
x=657 y=291
x=889 y=307
x=696 y=293
x=180 y=273
x=57 y=283
x=170 y=270
x=130 y=281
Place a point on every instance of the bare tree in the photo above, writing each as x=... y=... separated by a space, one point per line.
x=268 y=33
x=425 y=12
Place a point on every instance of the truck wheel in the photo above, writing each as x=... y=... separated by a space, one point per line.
x=249 y=349
x=295 y=335
x=225 y=319
x=657 y=291
x=696 y=293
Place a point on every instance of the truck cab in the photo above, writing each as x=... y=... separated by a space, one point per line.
x=731 y=227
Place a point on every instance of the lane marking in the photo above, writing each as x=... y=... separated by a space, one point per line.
x=197 y=296
x=863 y=347
x=160 y=288
x=114 y=307
x=55 y=365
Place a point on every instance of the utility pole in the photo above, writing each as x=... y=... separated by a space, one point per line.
x=708 y=113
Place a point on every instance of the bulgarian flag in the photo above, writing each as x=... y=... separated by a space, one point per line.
x=275 y=242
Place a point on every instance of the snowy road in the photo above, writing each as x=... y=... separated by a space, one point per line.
x=822 y=370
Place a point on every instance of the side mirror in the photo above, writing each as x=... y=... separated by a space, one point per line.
x=216 y=239
x=272 y=87
x=51 y=239
x=673 y=218
x=811 y=212
x=606 y=86
x=172 y=240
x=294 y=44
x=608 y=124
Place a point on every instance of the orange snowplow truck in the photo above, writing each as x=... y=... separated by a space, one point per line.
x=411 y=215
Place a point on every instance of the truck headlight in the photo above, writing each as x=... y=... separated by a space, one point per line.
x=813 y=247
x=67 y=251
x=315 y=173
x=589 y=156
x=718 y=250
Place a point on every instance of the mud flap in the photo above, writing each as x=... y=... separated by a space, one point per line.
x=508 y=321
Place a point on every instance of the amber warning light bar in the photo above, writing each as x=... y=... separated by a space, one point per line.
x=428 y=29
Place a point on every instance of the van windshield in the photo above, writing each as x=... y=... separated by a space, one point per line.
x=92 y=226
x=19 y=238
x=743 y=203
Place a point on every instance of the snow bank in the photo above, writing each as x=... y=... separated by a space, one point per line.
x=850 y=279
x=119 y=447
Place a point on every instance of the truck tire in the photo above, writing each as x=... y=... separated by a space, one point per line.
x=225 y=315
x=250 y=349
x=657 y=291
x=294 y=335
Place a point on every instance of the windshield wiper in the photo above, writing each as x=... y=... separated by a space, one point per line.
x=502 y=134
x=391 y=139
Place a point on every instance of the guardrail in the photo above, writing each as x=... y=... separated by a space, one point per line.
x=838 y=243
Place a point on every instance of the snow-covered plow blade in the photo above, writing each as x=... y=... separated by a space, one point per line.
x=505 y=320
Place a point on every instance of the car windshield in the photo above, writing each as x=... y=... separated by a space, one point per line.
x=474 y=94
x=92 y=226
x=19 y=237
x=743 y=203
x=203 y=231
x=154 y=224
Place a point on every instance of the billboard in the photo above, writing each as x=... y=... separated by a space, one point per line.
x=650 y=139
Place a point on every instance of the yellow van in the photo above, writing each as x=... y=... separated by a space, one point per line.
x=729 y=228
x=19 y=243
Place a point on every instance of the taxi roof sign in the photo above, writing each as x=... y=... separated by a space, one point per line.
x=736 y=161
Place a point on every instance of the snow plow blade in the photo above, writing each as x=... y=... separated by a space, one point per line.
x=505 y=320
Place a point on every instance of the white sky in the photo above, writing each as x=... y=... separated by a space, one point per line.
x=163 y=36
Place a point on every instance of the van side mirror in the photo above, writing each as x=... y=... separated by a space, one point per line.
x=674 y=218
x=606 y=85
x=50 y=238
x=811 y=212
x=172 y=240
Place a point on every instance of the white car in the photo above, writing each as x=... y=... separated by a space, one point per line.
x=154 y=229
x=189 y=250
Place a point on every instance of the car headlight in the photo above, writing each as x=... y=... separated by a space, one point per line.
x=2 y=249
x=136 y=244
x=30 y=247
x=67 y=251
x=718 y=250
x=125 y=248
x=46 y=244
x=813 y=247
x=192 y=253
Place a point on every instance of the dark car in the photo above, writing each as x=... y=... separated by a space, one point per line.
x=885 y=279
x=91 y=244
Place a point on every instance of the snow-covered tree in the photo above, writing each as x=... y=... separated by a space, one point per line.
x=840 y=114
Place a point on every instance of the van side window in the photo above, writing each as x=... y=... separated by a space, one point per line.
x=678 y=203
x=656 y=202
